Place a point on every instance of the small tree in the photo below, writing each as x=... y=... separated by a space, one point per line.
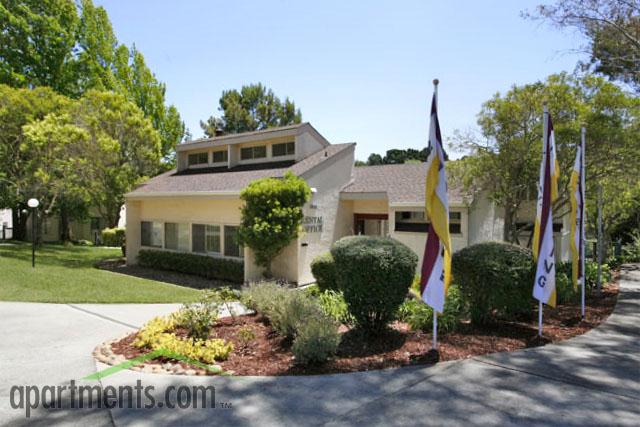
x=271 y=215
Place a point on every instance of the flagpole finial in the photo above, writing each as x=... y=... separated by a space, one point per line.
x=435 y=82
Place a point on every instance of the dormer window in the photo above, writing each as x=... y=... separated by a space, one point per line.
x=220 y=156
x=250 y=153
x=284 y=149
x=198 y=159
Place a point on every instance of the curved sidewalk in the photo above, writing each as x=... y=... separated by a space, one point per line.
x=593 y=379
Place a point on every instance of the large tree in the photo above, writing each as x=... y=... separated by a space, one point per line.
x=18 y=108
x=72 y=48
x=254 y=107
x=612 y=28
x=504 y=160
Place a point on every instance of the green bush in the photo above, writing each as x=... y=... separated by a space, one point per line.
x=113 y=237
x=229 y=270
x=198 y=318
x=565 y=292
x=374 y=274
x=631 y=251
x=591 y=274
x=419 y=315
x=333 y=305
x=323 y=269
x=495 y=279
x=317 y=339
x=295 y=315
x=286 y=309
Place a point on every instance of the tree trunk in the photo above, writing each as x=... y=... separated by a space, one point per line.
x=507 y=232
x=19 y=223
x=65 y=226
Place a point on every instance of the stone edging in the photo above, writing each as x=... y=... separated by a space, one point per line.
x=104 y=353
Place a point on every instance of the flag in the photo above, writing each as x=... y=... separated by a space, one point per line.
x=436 y=263
x=578 y=216
x=544 y=288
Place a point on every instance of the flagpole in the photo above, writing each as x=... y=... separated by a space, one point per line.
x=545 y=143
x=582 y=218
x=434 y=344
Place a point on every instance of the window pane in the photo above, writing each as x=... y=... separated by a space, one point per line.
x=291 y=148
x=145 y=229
x=219 y=156
x=183 y=237
x=151 y=234
x=198 y=159
x=413 y=221
x=278 y=150
x=197 y=239
x=455 y=228
x=213 y=238
x=231 y=247
x=260 y=152
x=171 y=236
x=246 y=153
x=455 y=215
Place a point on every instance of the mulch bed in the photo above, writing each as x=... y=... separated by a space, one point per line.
x=269 y=354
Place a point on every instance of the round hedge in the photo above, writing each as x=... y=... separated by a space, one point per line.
x=323 y=269
x=496 y=279
x=374 y=274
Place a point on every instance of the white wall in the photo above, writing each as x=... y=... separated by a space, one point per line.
x=328 y=178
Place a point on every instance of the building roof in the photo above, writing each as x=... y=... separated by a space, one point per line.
x=404 y=184
x=231 y=181
x=258 y=135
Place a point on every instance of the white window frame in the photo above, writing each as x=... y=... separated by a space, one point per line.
x=224 y=162
x=267 y=148
x=286 y=156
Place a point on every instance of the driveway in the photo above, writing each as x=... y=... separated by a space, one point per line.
x=593 y=379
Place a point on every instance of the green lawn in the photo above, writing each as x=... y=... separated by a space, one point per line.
x=66 y=274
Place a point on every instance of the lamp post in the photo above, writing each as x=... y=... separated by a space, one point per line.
x=33 y=204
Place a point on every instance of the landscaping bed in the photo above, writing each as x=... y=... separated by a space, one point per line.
x=269 y=353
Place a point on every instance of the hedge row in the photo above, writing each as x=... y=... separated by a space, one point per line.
x=229 y=270
x=113 y=236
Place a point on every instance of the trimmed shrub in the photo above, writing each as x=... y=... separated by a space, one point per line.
x=495 y=279
x=419 y=315
x=317 y=339
x=333 y=305
x=323 y=269
x=229 y=270
x=198 y=318
x=295 y=315
x=113 y=237
x=374 y=275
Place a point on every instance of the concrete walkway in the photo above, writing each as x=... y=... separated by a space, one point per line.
x=593 y=379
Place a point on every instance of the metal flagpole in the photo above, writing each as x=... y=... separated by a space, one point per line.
x=434 y=344
x=435 y=330
x=545 y=144
x=582 y=218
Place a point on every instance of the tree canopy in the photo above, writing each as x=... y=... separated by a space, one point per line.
x=397 y=156
x=612 y=28
x=505 y=159
x=72 y=48
x=254 y=107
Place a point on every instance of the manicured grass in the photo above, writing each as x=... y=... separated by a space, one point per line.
x=66 y=274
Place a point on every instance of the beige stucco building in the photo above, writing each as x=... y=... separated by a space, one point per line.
x=196 y=207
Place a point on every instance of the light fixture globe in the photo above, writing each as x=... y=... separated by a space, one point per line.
x=33 y=203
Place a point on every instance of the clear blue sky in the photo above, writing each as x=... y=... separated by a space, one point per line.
x=359 y=70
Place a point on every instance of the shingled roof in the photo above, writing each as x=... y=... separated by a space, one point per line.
x=403 y=183
x=232 y=180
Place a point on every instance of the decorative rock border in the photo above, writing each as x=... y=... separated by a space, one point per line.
x=104 y=353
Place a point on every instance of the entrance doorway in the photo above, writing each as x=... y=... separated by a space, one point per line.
x=371 y=224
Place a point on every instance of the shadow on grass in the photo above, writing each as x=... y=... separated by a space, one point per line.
x=57 y=254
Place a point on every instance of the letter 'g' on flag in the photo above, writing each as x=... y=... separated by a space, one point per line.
x=436 y=263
